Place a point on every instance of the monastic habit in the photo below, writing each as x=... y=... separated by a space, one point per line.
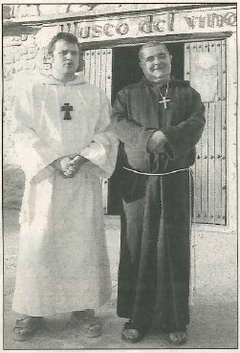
x=155 y=220
x=63 y=263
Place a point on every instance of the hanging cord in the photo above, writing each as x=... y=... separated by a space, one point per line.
x=192 y=234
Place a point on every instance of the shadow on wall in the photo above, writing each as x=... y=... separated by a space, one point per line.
x=13 y=186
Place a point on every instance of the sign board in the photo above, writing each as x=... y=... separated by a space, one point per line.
x=158 y=23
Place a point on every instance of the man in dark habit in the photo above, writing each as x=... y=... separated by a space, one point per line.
x=158 y=121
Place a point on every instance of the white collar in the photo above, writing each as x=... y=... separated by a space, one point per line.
x=79 y=79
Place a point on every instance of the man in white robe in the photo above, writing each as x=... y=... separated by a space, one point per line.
x=64 y=150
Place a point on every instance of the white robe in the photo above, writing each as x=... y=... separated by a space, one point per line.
x=63 y=263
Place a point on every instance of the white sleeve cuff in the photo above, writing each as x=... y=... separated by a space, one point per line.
x=96 y=153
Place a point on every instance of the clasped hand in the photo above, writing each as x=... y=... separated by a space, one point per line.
x=69 y=166
x=156 y=142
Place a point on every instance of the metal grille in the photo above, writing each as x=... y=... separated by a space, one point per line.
x=98 y=71
x=210 y=168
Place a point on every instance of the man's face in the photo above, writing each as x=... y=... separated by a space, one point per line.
x=155 y=63
x=65 y=58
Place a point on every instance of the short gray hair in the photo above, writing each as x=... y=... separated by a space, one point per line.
x=151 y=44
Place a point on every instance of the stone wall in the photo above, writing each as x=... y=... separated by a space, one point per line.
x=20 y=54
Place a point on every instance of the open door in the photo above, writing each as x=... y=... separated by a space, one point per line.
x=205 y=68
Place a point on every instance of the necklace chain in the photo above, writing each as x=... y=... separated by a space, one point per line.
x=164 y=98
x=165 y=92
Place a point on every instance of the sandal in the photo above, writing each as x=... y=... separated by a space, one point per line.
x=88 y=325
x=178 y=338
x=131 y=334
x=26 y=327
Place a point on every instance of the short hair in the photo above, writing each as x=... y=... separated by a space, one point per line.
x=68 y=37
x=151 y=44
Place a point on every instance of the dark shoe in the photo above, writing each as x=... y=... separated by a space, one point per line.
x=26 y=327
x=178 y=338
x=131 y=334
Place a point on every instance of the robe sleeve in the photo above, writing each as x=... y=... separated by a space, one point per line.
x=34 y=155
x=184 y=136
x=102 y=152
x=128 y=130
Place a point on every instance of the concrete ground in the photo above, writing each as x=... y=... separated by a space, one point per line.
x=213 y=313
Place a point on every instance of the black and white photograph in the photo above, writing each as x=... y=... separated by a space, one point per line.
x=119 y=176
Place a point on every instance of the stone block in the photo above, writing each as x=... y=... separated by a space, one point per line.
x=7 y=12
x=14 y=10
x=22 y=11
x=27 y=11
x=24 y=37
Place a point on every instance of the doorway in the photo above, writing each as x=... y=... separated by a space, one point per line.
x=125 y=71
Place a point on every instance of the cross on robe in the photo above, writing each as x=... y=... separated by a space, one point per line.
x=164 y=102
x=67 y=109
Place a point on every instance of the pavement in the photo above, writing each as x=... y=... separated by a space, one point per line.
x=213 y=311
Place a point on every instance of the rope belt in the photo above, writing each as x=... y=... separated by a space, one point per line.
x=157 y=174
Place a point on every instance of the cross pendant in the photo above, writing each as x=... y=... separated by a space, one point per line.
x=67 y=108
x=164 y=102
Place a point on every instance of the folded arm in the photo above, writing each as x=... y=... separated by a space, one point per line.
x=128 y=131
x=184 y=136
